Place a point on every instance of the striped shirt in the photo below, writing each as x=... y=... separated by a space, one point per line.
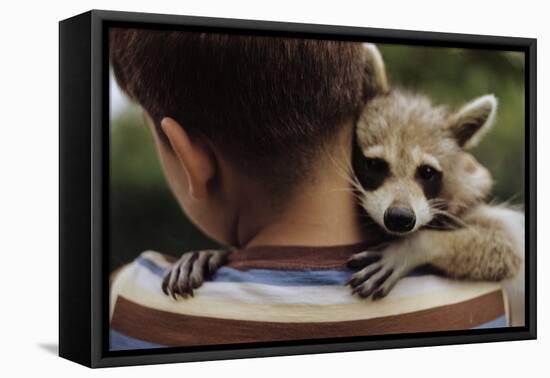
x=288 y=293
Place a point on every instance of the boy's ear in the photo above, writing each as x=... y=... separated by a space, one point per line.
x=473 y=120
x=375 y=71
x=196 y=158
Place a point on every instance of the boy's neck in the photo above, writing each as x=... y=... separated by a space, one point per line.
x=323 y=213
x=323 y=219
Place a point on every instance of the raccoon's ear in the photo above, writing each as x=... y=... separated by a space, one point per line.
x=376 y=81
x=473 y=120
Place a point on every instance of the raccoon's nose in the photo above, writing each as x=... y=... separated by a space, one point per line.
x=399 y=219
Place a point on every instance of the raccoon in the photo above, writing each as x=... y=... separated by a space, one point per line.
x=417 y=184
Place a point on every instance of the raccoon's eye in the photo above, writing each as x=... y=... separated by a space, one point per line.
x=427 y=173
x=376 y=165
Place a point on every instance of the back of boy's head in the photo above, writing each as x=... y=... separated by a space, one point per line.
x=269 y=104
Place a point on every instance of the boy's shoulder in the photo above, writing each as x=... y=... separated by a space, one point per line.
x=252 y=304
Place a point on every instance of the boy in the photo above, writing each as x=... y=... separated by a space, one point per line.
x=254 y=135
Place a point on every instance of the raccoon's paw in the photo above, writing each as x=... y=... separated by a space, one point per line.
x=191 y=270
x=381 y=270
x=500 y=266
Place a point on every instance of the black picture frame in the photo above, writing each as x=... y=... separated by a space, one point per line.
x=84 y=195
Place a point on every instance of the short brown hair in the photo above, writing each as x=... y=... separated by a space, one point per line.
x=265 y=102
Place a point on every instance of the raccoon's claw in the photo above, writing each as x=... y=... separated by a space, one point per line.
x=360 y=260
x=190 y=271
x=381 y=271
x=376 y=280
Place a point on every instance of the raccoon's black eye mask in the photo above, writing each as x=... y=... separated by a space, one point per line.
x=430 y=179
x=371 y=172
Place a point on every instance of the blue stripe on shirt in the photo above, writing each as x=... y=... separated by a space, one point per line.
x=284 y=277
x=119 y=341
x=499 y=322
x=151 y=266
x=304 y=277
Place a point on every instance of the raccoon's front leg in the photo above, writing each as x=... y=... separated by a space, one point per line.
x=488 y=248
x=381 y=270
x=191 y=270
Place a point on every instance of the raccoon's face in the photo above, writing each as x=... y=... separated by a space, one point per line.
x=410 y=164
x=398 y=185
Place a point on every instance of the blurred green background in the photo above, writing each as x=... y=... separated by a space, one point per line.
x=144 y=214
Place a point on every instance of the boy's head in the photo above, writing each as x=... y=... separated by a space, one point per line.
x=227 y=108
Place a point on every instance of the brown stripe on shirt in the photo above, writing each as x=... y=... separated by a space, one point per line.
x=172 y=329
x=294 y=257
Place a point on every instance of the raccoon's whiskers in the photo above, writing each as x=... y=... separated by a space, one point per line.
x=443 y=204
x=442 y=228
x=512 y=198
x=356 y=184
x=346 y=172
x=508 y=202
x=438 y=202
x=353 y=192
x=439 y=206
x=349 y=176
x=343 y=170
x=367 y=221
x=446 y=214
